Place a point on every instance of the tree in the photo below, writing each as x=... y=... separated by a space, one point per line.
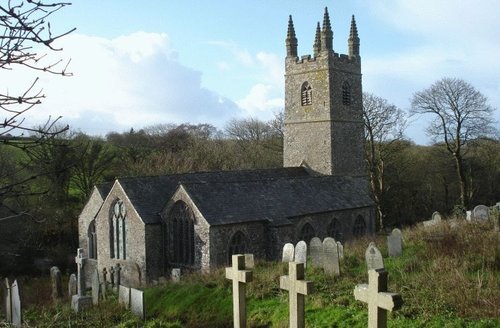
x=24 y=27
x=461 y=114
x=384 y=124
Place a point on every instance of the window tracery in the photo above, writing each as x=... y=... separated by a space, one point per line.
x=359 y=228
x=306 y=94
x=182 y=234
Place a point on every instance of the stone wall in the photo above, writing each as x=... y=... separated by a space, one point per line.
x=86 y=216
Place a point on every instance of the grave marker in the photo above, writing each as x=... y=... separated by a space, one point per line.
x=297 y=288
x=112 y=276
x=331 y=257
x=373 y=257
x=8 y=301
x=137 y=303
x=288 y=253
x=316 y=250
x=124 y=296
x=301 y=253
x=395 y=244
x=435 y=219
x=240 y=277
x=17 y=317
x=379 y=300
x=72 y=288
x=249 y=261
x=95 y=287
x=176 y=275
x=79 y=301
x=118 y=270
x=340 y=247
x=481 y=212
x=55 y=277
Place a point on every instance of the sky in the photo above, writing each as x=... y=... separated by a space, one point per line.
x=141 y=63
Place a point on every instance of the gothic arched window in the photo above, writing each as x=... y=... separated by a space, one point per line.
x=237 y=245
x=346 y=94
x=359 y=228
x=182 y=234
x=335 y=230
x=118 y=231
x=306 y=94
x=92 y=240
x=307 y=233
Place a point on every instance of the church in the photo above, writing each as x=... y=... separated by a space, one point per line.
x=196 y=221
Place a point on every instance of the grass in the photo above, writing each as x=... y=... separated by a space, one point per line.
x=447 y=278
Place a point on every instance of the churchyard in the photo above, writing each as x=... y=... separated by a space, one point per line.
x=447 y=274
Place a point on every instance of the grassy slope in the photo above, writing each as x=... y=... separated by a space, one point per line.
x=447 y=277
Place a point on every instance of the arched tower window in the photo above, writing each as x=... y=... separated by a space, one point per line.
x=237 y=245
x=307 y=233
x=346 y=94
x=359 y=228
x=306 y=94
x=335 y=230
x=182 y=219
x=118 y=231
x=92 y=240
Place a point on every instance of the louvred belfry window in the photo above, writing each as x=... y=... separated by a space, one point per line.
x=306 y=94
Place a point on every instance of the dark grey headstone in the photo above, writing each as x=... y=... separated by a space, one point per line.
x=301 y=253
x=373 y=257
x=481 y=212
x=17 y=317
x=137 y=303
x=56 y=280
x=95 y=287
x=316 y=251
x=72 y=285
x=288 y=253
x=394 y=244
x=331 y=264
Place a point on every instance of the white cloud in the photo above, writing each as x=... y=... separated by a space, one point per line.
x=129 y=81
x=259 y=102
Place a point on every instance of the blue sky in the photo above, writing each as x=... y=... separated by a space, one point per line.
x=139 y=63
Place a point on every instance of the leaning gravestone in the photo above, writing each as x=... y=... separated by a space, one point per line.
x=481 y=212
x=176 y=274
x=331 y=264
x=95 y=287
x=124 y=296
x=395 y=244
x=17 y=317
x=137 y=303
x=341 y=250
x=301 y=253
x=316 y=250
x=72 y=287
x=55 y=277
x=373 y=257
x=288 y=253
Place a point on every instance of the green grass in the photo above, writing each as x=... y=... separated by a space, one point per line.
x=447 y=278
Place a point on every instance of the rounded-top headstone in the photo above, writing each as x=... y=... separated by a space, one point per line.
x=316 y=251
x=288 y=252
x=331 y=263
x=373 y=257
x=301 y=252
x=436 y=217
x=481 y=212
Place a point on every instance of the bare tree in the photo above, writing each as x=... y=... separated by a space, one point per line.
x=461 y=113
x=384 y=124
x=24 y=28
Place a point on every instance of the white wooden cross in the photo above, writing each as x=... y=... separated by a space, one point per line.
x=297 y=287
x=379 y=300
x=239 y=276
x=79 y=263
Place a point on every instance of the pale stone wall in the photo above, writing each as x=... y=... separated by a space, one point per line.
x=134 y=268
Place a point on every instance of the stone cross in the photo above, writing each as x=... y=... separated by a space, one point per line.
x=118 y=270
x=239 y=276
x=379 y=300
x=112 y=276
x=79 y=259
x=297 y=287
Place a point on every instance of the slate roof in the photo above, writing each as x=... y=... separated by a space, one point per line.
x=275 y=200
x=150 y=194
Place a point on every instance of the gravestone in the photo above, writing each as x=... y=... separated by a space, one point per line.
x=435 y=219
x=56 y=280
x=176 y=275
x=79 y=301
x=331 y=264
x=297 y=288
x=373 y=257
x=112 y=276
x=8 y=301
x=340 y=247
x=249 y=261
x=395 y=244
x=481 y=212
x=137 y=303
x=301 y=253
x=72 y=285
x=17 y=317
x=95 y=287
x=124 y=296
x=379 y=300
x=288 y=253
x=104 y=284
x=316 y=250
x=118 y=270
x=468 y=216
x=240 y=276
x=131 y=274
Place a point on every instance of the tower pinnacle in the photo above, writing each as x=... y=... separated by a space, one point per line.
x=291 y=39
x=353 y=41
x=326 y=33
x=317 y=41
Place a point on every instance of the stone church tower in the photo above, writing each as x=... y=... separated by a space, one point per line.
x=323 y=105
